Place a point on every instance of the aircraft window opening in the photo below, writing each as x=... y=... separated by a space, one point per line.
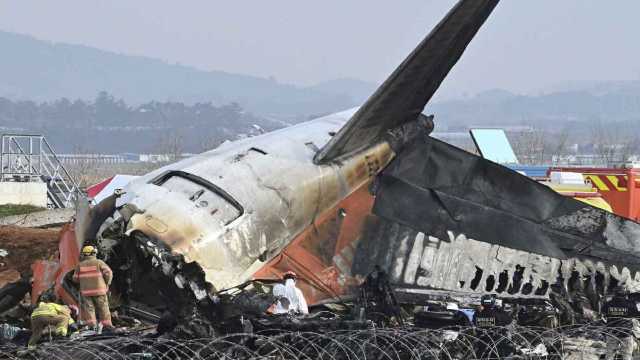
x=476 y=279
x=218 y=203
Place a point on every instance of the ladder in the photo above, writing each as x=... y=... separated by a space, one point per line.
x=30 y=158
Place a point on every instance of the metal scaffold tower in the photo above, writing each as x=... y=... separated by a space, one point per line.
x=30 y=158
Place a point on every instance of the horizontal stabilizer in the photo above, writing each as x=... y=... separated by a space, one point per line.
x=438 y=189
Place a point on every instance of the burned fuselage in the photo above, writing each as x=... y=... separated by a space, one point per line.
x=456 y=221
x=235 y=208
x=333 y=197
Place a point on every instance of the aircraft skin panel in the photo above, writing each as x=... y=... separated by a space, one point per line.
x=463 y=204
x=280 y=198
x=435 y=243
x=322 y=255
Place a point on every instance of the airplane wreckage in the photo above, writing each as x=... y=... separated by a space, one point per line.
x=335 y=197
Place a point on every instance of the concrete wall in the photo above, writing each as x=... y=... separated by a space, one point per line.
x=23 y=193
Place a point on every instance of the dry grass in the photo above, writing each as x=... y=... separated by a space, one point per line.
x=88 y=174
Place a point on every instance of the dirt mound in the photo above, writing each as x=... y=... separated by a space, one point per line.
x=24 y=246
x=8 y=276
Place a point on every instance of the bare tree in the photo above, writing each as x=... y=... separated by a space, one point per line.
x=560 y=148
x=172 y=145
x=630 y=143
x=614 y=143
x=604 y=140
x=530 y=146
x=82 y=170
x=209 y=143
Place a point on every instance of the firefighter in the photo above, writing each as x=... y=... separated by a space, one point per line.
x=52 y=318
x=490 y=314
x=377 y=296
x=621 y=315
x=94 y=277
x=289 y=297
x=494 y=325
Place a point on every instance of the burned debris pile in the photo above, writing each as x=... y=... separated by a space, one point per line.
x=378 y=322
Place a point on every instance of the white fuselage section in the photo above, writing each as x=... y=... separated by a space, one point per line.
x=274 y=180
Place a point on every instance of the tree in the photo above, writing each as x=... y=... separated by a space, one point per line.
x=530 y=146
x=82 y=171
x=560 y=145
x=172 y=145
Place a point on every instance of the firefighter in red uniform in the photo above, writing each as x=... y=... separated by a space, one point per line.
x=94 y=277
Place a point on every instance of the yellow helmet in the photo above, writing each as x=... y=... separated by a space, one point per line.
x=89 y=250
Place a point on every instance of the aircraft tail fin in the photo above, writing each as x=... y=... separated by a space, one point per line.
x=403 y=96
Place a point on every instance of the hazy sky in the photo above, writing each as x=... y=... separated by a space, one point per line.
x=526 y=45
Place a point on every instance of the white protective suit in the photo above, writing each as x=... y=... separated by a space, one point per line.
x=297 y=302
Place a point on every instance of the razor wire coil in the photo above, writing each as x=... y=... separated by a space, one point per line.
x=513 y=342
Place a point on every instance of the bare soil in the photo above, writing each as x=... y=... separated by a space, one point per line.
x=24 y=246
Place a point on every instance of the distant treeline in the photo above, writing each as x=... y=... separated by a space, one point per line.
x=46 y=71
x=109 y=125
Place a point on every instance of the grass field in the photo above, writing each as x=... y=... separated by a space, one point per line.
x=9 y=210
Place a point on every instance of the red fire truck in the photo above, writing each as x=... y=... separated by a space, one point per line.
x=620 y=187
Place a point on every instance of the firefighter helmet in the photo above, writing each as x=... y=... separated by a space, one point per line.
x=89 y=250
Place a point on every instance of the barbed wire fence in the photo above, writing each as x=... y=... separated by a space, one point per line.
x=574 y=342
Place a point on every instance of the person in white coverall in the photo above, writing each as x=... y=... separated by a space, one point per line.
x=289 y=298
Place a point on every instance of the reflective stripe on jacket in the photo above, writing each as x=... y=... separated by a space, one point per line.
x=94 y=276
x=53 y=309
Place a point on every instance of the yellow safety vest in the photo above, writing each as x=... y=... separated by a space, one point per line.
x=53 y=309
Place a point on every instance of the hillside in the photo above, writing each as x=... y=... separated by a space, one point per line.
x=616 y=102
x=355 y=89
x=147 y=105
x=44 y=71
